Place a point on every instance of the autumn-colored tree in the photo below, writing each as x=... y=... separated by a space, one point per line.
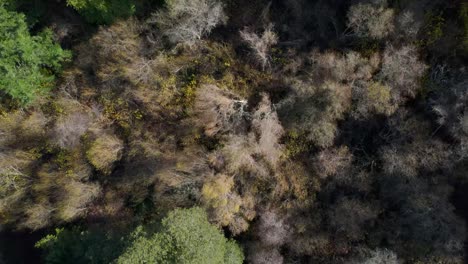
x=224 y=203
x=371 y=20
x=104 y=152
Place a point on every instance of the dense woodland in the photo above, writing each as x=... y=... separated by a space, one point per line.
x=233 y=131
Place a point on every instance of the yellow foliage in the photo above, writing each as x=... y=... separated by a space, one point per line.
x=159 y=96
x=296 y=143
x=104 y=152
x=188 y=92
x=380 y=98
x=217 y=191
x=224 y=204
x=117 y=110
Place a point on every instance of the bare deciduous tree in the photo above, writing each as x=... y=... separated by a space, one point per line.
x=272 y=229
x=75 y=197
x=407 y=25
x=370 y=20
x=315 y=109
x=15 y=169
x=451 y=109
x=348 y=67
x=413 y=151
x=333 y=161
x=261 y=45
x=379 y=256
x=219 y=110
x=104 y=152
x=239 y=152
x=186 y=21
x=402 y=70
x=265 y=122
x=242 y=150
x=38 y=216
x=69 y=129
x=265 y=255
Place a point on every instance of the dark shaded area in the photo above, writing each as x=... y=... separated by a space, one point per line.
x=460 y=200
x=17 y=247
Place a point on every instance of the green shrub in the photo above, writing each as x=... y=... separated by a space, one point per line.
x=186 y=236
x=76 y=246
x=103 y=11
x=27 y=63
x=34 y=10
x=464 y=18
x=434 y=29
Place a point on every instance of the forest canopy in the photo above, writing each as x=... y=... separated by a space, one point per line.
x=228 y=132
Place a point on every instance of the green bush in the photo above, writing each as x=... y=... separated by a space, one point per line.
x=186 y=236
x=76 y=246
x=34 y=10
x=103 y=11
x=434 y=29
x=27 y=63
x=464 y=18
